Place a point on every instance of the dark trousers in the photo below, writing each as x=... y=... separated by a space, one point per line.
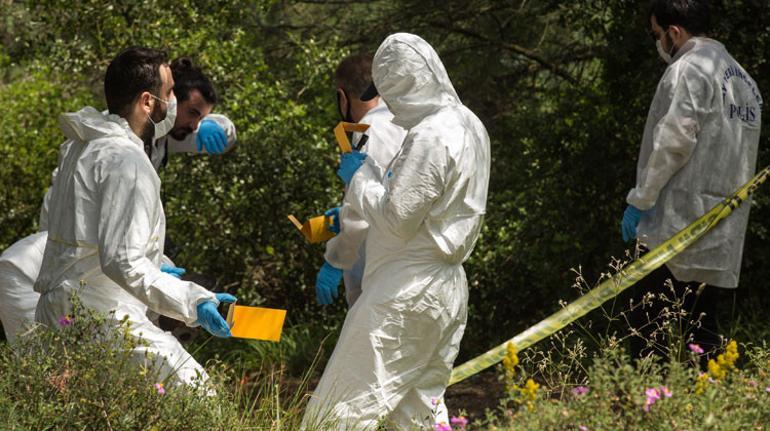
x=686 y=311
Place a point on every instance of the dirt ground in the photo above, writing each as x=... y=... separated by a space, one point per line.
x=475 y=394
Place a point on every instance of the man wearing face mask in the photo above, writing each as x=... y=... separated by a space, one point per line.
x=106 y=243
x=699 y=145
x=345 y=252
x=192 y=129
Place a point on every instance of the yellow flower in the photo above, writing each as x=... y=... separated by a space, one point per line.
x=529 y=391
x=725 y=362
x=701 y=383
x=511 y=359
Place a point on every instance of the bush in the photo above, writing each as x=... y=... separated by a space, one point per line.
x=80 y=376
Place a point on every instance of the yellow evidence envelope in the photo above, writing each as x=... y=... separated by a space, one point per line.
x=257 y=323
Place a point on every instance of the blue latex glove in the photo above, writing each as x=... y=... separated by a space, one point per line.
x=212 y=136
x=172 y=270
x=210 y=319
x=334 y=213
x=631 y=217
x=349 y=164
x=327 y=283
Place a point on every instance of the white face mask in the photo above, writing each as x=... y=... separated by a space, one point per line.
x=163 y=127
x=666 y=56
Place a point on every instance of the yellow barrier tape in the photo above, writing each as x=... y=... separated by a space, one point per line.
x=613 y=286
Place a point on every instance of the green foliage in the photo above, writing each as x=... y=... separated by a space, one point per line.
x=81 y=376
x=563 y=88
x=613 y=394
x=29 y=126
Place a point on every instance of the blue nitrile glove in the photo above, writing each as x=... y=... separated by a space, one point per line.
x=327 y=283
x=349 y=164
x=334 y=213
x=172 y=270
x=631 y=217
x=212 y=136
x=210 y=319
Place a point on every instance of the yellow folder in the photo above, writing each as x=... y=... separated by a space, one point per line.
x=257 y=323
x=342 y=137
x=315 y=229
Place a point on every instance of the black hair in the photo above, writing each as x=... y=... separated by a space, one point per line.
x=354 y=74
x=187 y=77
x=132 y=72
x=692 y=15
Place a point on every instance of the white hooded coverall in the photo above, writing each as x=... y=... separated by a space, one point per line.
x=106 y=242
x=20 y=263
x=347 y=249
x=399 y=341
x=699 y=146
x=19 y=267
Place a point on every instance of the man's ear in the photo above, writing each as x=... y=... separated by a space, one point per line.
x=146 y=101
x=342 y=101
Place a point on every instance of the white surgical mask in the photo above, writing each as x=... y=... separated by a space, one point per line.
x=163 y=127
x=666 y=56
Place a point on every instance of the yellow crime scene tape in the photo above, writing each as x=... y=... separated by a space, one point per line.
x=613 y=286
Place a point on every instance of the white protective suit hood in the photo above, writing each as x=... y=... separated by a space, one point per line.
x=411 y=78
x=89 y=124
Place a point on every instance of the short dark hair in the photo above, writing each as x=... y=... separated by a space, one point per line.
x=693 y=15
x=187 y=77
x=354 y=74
x=132 y=72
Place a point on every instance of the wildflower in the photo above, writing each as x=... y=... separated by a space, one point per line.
x=665 y=391
x=580 y=390
x=434 y=401
x=653 y=395
x=715 y=370
x=767 y=389
x=583 y=428
x=459 y=422
x=695 y=348
x=65 y=321
x=701 y=382
x=159 y=388
x=441 y=426
x=530 y=390
x=511 y=360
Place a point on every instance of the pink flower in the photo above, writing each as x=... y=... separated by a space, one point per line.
x=665 y=391
x=583 y=428
x=752 y=383
x=767 y=389
x=434 y=401
x=65 y=321
x=460 y=422
x=159 y=388
x=580 y=390
x=442 y=426
x=695 y=348
x=653 y=395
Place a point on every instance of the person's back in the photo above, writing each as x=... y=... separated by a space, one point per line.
x=725 y=121
x=19 y=267
x=399 y=341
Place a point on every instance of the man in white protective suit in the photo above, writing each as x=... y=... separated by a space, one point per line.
x=106 y=242
x=345 y=253
x=699 y=145
x=20 y=263
x=399 y=341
